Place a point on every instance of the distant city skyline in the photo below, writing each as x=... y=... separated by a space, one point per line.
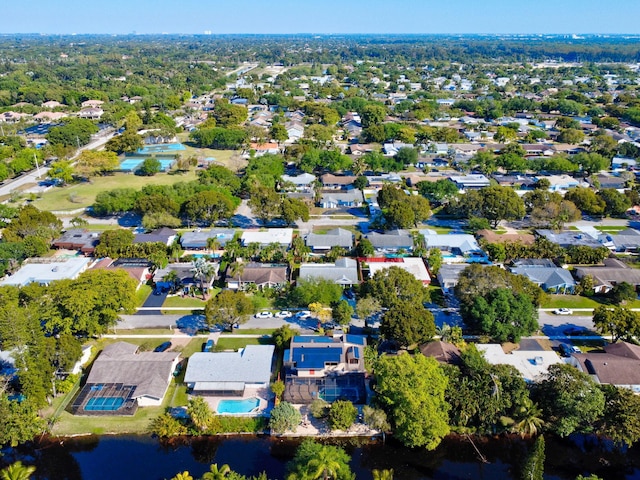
x=322 y=17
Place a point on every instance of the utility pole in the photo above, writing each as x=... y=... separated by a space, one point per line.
x=35 y=157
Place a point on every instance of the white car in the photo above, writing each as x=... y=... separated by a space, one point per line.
x=264 y=315
x=303 y=314
x=562 y=311
x=284 y=314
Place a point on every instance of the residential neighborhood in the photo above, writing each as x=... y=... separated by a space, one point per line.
x=355 y=246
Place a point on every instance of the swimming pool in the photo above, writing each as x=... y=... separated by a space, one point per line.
x=246 y=405
x=104 y=404
x=163 y=147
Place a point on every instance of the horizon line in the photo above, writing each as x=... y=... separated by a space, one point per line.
x=203 y=34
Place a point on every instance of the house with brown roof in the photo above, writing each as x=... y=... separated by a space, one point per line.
x=618 y=365
x=492 y=237
x=337 y=182
x=78 y=239
x=443 y=352
x=262 y=275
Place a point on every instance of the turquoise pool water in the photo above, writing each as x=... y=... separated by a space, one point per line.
x=161 y=148
x=103 y=404
x=238 y=406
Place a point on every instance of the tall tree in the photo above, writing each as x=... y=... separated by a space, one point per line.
x=412 y=389
x=408 y=323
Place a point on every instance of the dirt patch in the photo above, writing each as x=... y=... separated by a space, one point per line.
x=509 y=347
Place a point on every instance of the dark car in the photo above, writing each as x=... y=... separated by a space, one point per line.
x=163 y=347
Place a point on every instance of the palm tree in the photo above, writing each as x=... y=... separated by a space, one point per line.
x=213 y=243
x=444 y=332
x=323 y=465
x=202 y=270
x=216 y=473
x=172 y=279
x=236 y=269
x=359 y=166
x=175 y=251
x=17 y=471
x=529 y=419
x=383 y=474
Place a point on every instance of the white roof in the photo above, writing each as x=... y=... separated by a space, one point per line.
x=415 y=266
x=282 y=236
x=249 y=365
x=46 y=273
x=531 y=364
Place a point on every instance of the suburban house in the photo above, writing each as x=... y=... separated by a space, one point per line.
x=92 y=104
x=198 y=240
x=492 y=237
x=550 y=279
x=622 y=163
x=448 y=276
x=443 y=352
x=91 y=113
x=44 y=271
x=137 y=268
x=325 y=367
x=611 y=274
x=184 y=277
x=568 y=238
x=343 y=272
x=352 y=198
x=532 y=364
x=230 y=373
x=338 y=237
x=281 y=236
x=295 y=131
x=262 y=275
x=414 y=265
x=122 y=379
x=391 y=241
x=78 y=239
x=560 y=182
x=455 y=247
x=607 y=181
x=619 y=365
x=264 y=148
x=161 y=235
x=302 y=183
x=626 y=241
x=470 y=182
x=336 y=182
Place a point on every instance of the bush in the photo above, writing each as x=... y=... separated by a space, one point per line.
x=166 y=426
x=319 y=408
x=342 y=415
x=284 y=417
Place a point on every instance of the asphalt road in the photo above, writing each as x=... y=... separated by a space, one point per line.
x=553 y=325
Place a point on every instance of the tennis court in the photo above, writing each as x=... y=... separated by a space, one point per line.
x=162 y=148
x=133 y=163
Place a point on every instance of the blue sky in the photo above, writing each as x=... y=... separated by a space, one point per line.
x=320 y=16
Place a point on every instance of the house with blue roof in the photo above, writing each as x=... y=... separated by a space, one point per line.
x=550 y=279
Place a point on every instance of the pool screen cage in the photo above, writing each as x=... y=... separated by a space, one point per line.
x=92 y=397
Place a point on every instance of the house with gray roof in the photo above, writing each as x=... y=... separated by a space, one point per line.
x=351 y=198
x=449 y=274
x=343 y=272
x=611 y=274
x=122 y=372
x=626 y=241
x=550 y=279
x=198 y=239
x=229 y=373
x=338 y=237
x=391 y=241
x=161 y=235
x=262 y=275
x=302 y=182
x=568 y=238
x=455 y=247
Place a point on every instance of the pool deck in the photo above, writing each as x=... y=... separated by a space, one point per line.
x=262 y=394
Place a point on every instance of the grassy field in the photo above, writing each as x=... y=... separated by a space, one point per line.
x=229 y=158
x=83 y=194
x=322 y=229
x=611 y=228
x=234 y=343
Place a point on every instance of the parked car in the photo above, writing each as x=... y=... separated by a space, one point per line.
x=208 y=347
x=566 y=350
x=163 y=347
x=264 y=315
x=284 y=314
x=303 y=314
x=562 y=311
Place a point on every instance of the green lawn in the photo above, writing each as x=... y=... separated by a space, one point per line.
x=569 y=301
x=141 y=295
x=186 y=302
x=83 y=194
x=322 y=229
x=441 y=230
x=234 y=343
x=253 y=331
x=611 y=228
x=229 y=158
